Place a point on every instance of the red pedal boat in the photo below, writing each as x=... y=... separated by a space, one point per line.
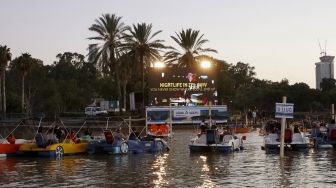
x=9 y=146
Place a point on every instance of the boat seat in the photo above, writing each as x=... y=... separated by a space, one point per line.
x=40 y=141
x=273 y=137
x=332 y=135
x=288 y=135
x=227 y=138
x=108 y=136
x=297 y=137
x=211 y=136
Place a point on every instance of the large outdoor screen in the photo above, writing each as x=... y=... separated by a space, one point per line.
x=181 y=86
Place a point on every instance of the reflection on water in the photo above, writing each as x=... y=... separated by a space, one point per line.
x=178 y=168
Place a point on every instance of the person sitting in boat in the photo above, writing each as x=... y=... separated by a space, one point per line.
x=315 y=131
x=134 y=134
x=58 y=133
x=296 y=129
x=227 y=131
x=72 y=136
x=40 y=138
x=323 y=127
x=88 y=133
x=11 y=139
x=148 y=137
x=117 y=135
x=213 y=125
x=203 y=126
x=51 y=137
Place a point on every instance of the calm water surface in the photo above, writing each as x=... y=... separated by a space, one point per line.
x=178 y=168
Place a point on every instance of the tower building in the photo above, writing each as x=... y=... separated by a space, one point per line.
x=324 y=69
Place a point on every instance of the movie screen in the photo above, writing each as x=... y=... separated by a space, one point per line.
x=181 y=86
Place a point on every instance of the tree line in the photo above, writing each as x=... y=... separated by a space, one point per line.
x=117 y=63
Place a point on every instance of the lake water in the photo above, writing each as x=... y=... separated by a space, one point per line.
x=251 y=167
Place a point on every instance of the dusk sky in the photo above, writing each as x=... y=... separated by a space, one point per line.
x=279 y=38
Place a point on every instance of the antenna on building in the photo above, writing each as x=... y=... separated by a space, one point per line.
x=323 y=53
x=320 y=47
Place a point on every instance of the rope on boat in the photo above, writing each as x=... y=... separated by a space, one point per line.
x=129 y=128
x=50 y=126
x=14 y=129
x=107 y=121
x=3 y=139
x=39 y=127
x=67 y=132
x=80 y=128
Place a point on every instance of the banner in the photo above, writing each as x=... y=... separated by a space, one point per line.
x=182 y=113
x=185 y=114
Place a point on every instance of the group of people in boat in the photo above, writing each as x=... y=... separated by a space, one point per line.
x=58 y=135
x=204 y=126
x=133 y=135
x=117 y=135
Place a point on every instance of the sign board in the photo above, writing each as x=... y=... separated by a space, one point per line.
x=284 y=110
x=195 y=114
x=182 y=113
x=181 y=86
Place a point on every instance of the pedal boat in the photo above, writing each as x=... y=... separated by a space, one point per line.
x=324 y=137
x=148 y=145
x=214 y=141
x=40 y=148
x=292 y=141
x=110 y=145
x=7 y=149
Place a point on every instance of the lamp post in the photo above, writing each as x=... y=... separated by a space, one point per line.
x=143 y=85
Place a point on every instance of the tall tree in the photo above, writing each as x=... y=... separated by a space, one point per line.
x=126 y=72
x=5 y=57
x=242 y=74
x=191 y=42
x=140 y=42
x=24 y=63
x=327 y=84
x=110 y=32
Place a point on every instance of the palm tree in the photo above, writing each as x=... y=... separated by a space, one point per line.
x=110 y=32
x=191 y=43
x=24 y=62
x=140 y=41
x=126 y=60
x=5 y=57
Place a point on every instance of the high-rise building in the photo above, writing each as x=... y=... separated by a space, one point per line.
x=324 y=69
